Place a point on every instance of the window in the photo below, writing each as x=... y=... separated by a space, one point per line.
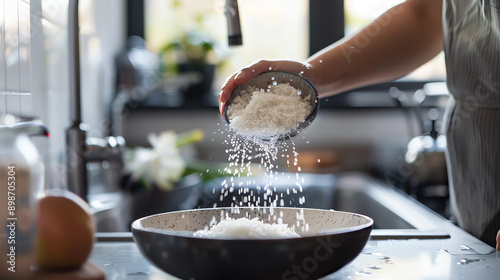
x=278 y=29
x=360 y=13
x=271 y=29
x=15 y=57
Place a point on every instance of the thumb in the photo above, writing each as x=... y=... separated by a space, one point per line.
x=498 y=240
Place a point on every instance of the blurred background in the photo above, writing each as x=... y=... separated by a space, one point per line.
x=148 y=66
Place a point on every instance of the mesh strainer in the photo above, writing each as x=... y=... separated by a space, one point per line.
x=264 y=80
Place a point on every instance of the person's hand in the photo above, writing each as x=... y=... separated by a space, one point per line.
x=498 y=240
x=244 y=75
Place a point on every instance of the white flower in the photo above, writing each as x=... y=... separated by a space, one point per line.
x=161 y=164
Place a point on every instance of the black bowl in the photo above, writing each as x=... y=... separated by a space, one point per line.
x=333 y=240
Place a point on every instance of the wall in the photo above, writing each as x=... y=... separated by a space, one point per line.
x=102 y=36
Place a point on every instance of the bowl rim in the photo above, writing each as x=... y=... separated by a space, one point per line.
x=137 y=225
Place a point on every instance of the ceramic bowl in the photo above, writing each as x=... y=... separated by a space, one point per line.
x=332 y=240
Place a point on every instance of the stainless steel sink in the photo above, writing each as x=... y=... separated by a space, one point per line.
x=395 y=215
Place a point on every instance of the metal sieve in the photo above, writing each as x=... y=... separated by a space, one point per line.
x=266 y=79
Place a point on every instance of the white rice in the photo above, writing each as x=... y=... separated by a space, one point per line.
x=244 y=228
x=260 y=113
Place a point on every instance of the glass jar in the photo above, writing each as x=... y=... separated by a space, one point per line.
x=21 y=177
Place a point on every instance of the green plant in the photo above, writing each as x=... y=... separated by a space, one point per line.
x=195 y=46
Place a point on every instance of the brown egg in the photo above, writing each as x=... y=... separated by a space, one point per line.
x=65 y=231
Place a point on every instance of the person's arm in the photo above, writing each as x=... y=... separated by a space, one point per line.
x=396 y=43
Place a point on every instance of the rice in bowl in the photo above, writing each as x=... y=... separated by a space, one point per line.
x=267 y=113
x=245 y=228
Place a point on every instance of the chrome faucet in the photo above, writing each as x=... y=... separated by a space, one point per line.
x=79 y=149
x=233 y=23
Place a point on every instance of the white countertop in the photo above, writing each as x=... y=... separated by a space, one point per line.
x=434 y=249
x=459 y=257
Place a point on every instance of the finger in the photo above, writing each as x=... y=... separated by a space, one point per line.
x=227 y=88
x=498 y=240
x=221 y=105
x=239 y=78
x=243 y=76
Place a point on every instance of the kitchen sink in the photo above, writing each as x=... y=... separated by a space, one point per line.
x=395 y=214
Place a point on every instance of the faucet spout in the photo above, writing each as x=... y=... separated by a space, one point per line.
x=79 y=149
x=233 y=23
x=76 y=134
